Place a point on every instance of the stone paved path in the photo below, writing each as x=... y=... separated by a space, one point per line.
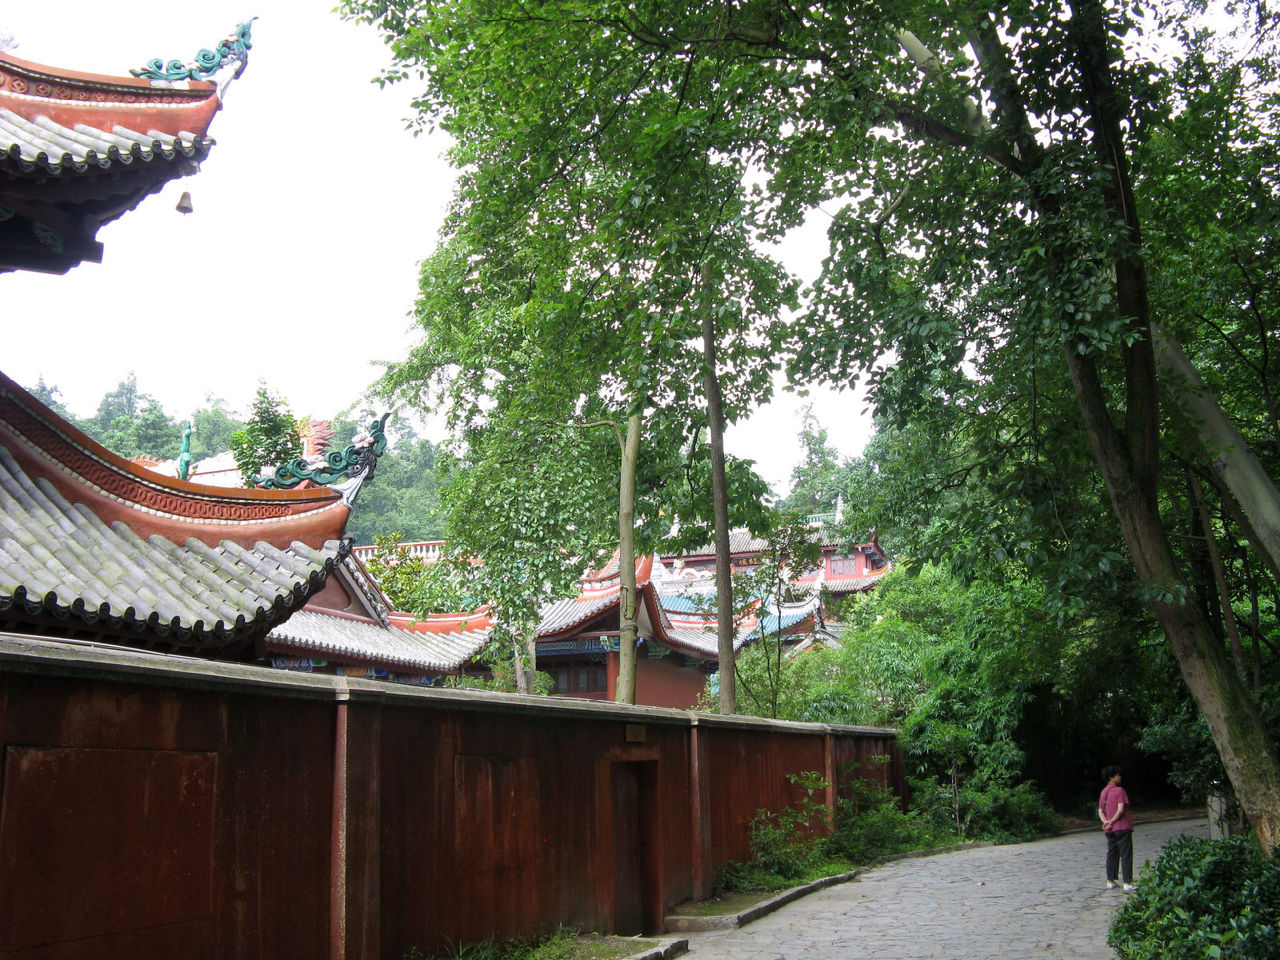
x=1024 y=901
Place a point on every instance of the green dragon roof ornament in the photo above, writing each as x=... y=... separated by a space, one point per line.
x=184 y=456
x=234 y=49
x=355 y=463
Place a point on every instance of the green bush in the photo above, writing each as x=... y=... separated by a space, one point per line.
x=789 y=843
x=1203 y=899
x=996 y=811
x=787 y=847
x=881 y=831
x=870 y=824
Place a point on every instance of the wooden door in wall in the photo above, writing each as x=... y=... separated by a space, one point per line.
x=634 y=883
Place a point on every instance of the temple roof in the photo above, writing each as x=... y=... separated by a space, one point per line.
x=94 y=546
x=363 y=632
x=365 y=642
x=78 y=150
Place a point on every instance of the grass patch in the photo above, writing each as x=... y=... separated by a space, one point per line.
x=724 y=904
x=752 y=877
x=564 y=944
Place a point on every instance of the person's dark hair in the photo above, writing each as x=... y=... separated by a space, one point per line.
x=1109 y=772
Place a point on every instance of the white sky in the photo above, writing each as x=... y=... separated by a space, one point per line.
x=299 y=263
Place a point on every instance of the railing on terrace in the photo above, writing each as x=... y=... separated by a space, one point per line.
x=428 y=550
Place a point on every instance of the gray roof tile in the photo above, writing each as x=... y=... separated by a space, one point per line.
x=61 y=558
x=406 y=651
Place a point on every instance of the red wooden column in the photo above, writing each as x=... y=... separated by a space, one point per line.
x=355 y=842
x=699 y=821
x=830 y=773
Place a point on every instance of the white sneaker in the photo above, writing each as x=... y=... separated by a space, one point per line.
x=1111 y=884
x=1130 y=887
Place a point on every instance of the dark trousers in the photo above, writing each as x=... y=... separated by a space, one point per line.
x=1120 y=854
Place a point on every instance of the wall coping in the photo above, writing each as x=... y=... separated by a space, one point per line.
x=23 y=653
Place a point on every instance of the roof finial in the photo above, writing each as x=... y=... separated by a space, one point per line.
x=184 y=458
x=234 y=49
x=356 y=463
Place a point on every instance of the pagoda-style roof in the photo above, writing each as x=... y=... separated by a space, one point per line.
x=95 y=547
x=347 y=627
x=78 y=150
x=670 y=621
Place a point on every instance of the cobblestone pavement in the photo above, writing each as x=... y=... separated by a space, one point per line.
x=1026 y=901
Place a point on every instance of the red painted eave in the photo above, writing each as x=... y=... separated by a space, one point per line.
x=70 y=97
x=115 y=489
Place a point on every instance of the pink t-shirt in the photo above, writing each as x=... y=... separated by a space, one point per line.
x=1112 y=796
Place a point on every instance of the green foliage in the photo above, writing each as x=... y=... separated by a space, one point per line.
x=50 y=396
x=787 y=846
x=801 y=843
x=1203 y=898
x=792 y=551
x=1014 y=195
x=213 y=426
x=270 y=438
x=1177 y=732
x=820 y=479
x=565 y=944
x=405 y=498
x=131 y=423
x=871 y=823
x=420 y=588
x=999 y=812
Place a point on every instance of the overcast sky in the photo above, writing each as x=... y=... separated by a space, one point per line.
x=299 y=263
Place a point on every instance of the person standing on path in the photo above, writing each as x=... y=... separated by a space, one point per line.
x=1117 y=824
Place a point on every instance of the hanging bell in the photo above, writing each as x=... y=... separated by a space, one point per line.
x=184 y=203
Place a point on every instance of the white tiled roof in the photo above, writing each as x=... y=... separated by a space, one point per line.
x=403 y=650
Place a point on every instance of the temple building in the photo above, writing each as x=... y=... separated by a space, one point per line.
x=96 y=548
x=677 y=647
x=78 y=150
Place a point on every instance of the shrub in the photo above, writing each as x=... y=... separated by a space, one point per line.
x=871 y=824
x=996 y=811
x=1203 y=899
x=880 y=831
x=788 y=843
x=787 y=846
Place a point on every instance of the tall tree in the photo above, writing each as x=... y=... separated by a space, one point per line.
x=51 y=397
x=525 y=513
x=988 y=224
x=820 y=479
x=132 y=423
x=571 y=279
x=213 y=424
x=270 y=438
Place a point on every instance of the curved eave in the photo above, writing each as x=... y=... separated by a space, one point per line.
x=70 y=98
x=86 y=472
x=122 y=620
x=363 y=643
x=44 y=149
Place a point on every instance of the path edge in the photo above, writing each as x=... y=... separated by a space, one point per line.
x=675 y=923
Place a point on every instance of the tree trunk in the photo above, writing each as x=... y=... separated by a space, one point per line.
x=628 y=607
x=531 y=661
x=1222 y=448
x=1247 y=751
x=517 y=661
x=1129 y=460
x=725 y=631
x=1219 y=575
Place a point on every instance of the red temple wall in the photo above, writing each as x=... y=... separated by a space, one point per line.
x=663 y=683
x=157 y=807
